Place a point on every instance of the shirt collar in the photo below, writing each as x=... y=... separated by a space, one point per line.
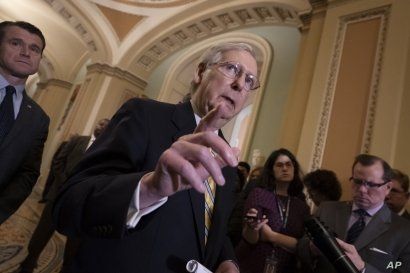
x=4 y=83
x=371 y=212
x=402 y=211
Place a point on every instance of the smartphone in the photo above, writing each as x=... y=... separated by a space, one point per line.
x=250 y=219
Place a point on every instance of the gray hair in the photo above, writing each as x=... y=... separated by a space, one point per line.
x=214 y=55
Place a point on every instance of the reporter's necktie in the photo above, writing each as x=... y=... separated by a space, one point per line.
x=209 y=204
x=358 y=226
x=6 y=113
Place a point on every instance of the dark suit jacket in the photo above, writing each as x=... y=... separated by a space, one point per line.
x=65 y=161
x=385 y=239
x=55 y=166
x=20 y=156
x=94 y=202
x=406 y=215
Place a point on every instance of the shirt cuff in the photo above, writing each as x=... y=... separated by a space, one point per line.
x=135 y=213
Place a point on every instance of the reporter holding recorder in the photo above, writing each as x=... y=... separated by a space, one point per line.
x=274 y=214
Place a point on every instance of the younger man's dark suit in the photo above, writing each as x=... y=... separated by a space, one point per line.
x=385 y=239
x=20 y=156
x=94 y=202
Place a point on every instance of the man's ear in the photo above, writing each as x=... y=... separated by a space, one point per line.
x=199 y=73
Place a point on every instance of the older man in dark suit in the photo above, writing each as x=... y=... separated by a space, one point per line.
x=375 y=239
x=137 y=198
x=23 y=124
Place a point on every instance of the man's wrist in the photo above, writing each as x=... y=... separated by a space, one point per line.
x=362 y=269
x=148 y=194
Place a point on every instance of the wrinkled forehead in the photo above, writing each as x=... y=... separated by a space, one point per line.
x=374 y=171
x=17 y=32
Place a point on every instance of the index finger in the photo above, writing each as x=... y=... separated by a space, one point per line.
x=211 y=121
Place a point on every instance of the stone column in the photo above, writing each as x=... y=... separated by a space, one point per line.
x=103 y=91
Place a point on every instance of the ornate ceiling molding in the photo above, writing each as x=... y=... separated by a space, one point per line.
x=72 y=20
x=229 y=19
x=118 y=73
x=155 y=3
x=55 y=82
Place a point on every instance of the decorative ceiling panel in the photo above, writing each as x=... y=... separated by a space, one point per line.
x=155 y=3
x=121 y=22
x=214 y=24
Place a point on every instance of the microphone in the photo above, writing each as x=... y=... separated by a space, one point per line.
x=194 y=266
x=328 y=245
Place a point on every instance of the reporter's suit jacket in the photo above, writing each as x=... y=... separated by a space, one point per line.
x=385 y=239
x=20 y=156
x=406 y=215
x=94 y=202
x=69 y=156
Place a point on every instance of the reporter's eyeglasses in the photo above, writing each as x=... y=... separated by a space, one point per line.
x=367 y=184
x=234 y=71
x=397 y=192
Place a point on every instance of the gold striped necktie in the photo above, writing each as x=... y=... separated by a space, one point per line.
x=209 y=204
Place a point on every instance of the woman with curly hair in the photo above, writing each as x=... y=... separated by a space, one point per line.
x=274 y=214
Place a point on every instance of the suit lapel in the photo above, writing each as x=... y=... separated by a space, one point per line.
x=378 y=224
x=24 y=119
x=184 y=120
x=342 y=220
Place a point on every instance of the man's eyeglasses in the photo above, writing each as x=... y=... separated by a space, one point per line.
x=367 y=184
x=234 y=71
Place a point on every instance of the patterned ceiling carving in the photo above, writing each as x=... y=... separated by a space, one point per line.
x=155 y=3
x=74 y=22
x=226 y=20
x=199 y=28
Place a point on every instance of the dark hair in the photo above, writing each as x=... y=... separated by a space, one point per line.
x=24 y=25
x=402 y=178
x=268 y=180
x=241 y=181
x=325 y=183
x=369 y=160
x=245 y=165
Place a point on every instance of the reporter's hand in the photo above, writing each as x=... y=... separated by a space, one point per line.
x=352 y=253
x=267 y=233
x=252 y=221
x=190 y=161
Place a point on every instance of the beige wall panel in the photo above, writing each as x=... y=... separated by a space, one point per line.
x=402 y=156
x=349 y=109
x=339 y=17
x=53 y=97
